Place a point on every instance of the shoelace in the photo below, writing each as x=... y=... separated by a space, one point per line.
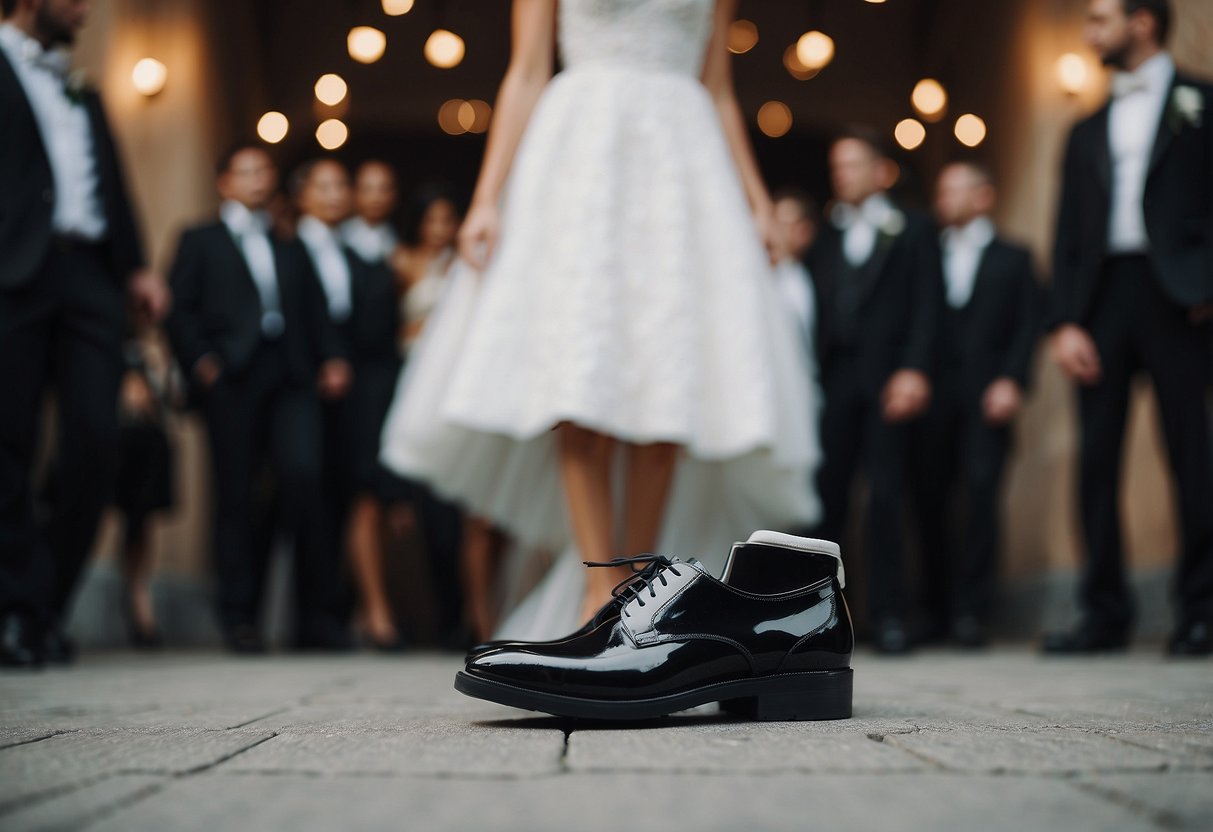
x=635 y=584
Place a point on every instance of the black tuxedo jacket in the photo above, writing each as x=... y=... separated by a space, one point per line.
x=373 y=329
x=995 y=333
x=217 y=308
x=27 y=188
x=1178 y=207
x=900 y=298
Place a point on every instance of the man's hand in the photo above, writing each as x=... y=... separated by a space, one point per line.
x=1075 y=351
x=1200 y=314
x=1001 y=401
x=906 y=396
x=149 y=296
x=336 y=375
x=207 y=370
x=136 y=396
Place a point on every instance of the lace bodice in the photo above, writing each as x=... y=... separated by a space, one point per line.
x=668 y=35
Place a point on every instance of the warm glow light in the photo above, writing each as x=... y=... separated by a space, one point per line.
x=397 y=7
x=272 y=127
x=482 y=114
x=366 y=44
x=444 y=49
x=451 y=117
x=774 y=119
x=149 y=76
x=970 y=130
x=929 y=99
x=743 y=35
x=332 y=134
x=815 y=49
x=910 y=133
x=875 y=1
x=791 y=62
x=331 y=89
x=1072 y=73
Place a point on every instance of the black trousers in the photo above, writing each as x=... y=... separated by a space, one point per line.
x=265 y=447
x=1136 y=327
x=856 y=437
x=62 y=332
x=957 y=454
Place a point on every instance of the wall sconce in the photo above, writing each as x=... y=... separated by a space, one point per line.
x=149 y=77
x=1072 y=73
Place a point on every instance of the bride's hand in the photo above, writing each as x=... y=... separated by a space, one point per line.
x=478 y=236
x=768 y=232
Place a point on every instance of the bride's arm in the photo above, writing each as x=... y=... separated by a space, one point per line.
x=530 y=69
x=718 y=78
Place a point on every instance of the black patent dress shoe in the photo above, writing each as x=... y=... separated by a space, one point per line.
x=969 y=633
x=243 y=639
x=773 y=640
x=1195 y=638
x=57 y=647
x=891 y=637
x=608 y=612
x=1086 y=639
x=20 y=641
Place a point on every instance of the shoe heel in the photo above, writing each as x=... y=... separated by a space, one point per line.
x=821 y=695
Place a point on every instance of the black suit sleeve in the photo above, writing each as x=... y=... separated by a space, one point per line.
x=1067 y=254
x=927 y=300
x=1028 y=318
x=183 y=325
x=126 y=244
x=325 y=340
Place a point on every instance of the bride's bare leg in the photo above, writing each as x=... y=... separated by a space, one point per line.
x=585 y=468
x=481 y=544
x=650 y=474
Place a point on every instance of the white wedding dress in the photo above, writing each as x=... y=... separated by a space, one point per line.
x=629 y=293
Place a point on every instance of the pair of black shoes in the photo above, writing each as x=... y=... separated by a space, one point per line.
x=771 y=640
x=1193 y=638
x=26 y=643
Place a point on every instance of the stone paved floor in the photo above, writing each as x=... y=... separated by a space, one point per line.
x=939 y=741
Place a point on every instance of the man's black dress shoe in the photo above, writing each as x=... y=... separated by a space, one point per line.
x=969 y=633
x=1195 y=638
x=891 y=637
x=1085 y=639
x=21 y=642
x=57 y=647
x=608 y=612
x=244 y=639
x=773 y=640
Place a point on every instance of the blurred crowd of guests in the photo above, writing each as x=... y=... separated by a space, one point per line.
x=292 y=311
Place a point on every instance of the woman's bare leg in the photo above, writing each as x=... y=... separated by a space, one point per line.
x=482 y=546
x=136 y=572
x=585 y=468
x=365 y=542
x=649 y=477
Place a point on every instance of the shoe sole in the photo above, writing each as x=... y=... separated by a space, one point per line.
x=814 y=695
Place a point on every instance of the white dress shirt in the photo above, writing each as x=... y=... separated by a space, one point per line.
x=795 y=288
x=373 y=243
x=963 y=247
x=1138 y=99
x=251 y=232
x=860 y=226
x=66 y=133
x=324 y=244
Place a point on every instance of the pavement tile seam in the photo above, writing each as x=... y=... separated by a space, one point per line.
x=31 y=740
x=53 y=792
x=1159 y=817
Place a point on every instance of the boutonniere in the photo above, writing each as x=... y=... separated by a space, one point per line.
x=894 y=223
x=1187 y=107
x=75 y=85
